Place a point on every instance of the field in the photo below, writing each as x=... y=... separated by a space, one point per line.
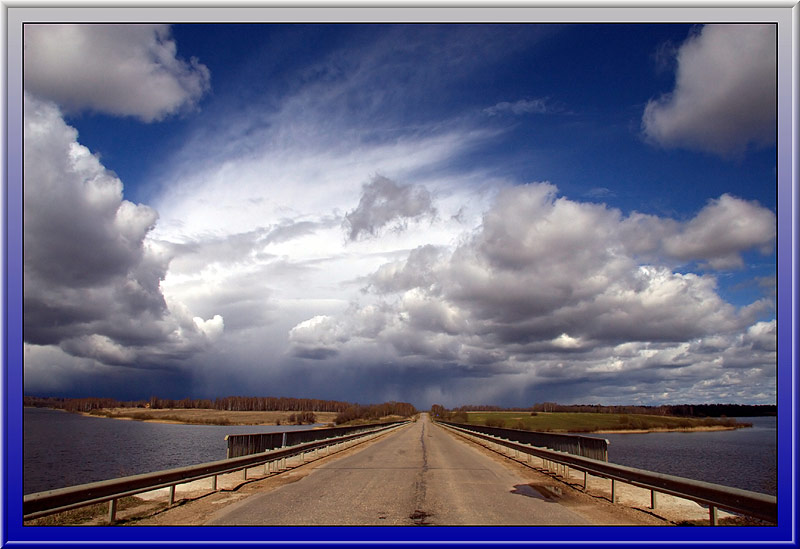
x=206 y=416
x=588 y=422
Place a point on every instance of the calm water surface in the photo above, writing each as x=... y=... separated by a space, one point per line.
x=63 y=449
x=744 y=458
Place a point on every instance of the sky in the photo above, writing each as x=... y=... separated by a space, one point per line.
x=450 y=214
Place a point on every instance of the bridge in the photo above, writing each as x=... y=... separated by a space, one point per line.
x=418 y=473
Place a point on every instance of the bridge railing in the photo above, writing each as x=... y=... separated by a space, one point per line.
x=715 y=496
x=247 y=444
x=591 y=447
x=49 y=502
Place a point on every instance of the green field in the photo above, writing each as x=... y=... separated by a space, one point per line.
x=588 y=422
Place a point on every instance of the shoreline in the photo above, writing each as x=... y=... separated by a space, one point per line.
x=156 y=420
x=232 y=422
x=699 y=428
x=202 y=416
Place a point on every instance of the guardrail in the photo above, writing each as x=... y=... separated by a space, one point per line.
x=49 y=502
x=247 y=444
x=715 y=496
x=591 y=447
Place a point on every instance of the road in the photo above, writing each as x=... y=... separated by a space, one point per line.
x=419 y=475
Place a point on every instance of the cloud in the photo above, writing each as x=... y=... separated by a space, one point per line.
x=725 y=92
x=91 y=276
x=452 y=283
x=316 y=338
x=123 y=70
x=383 y=201
x=722 y=230
x=523 y=106
x=553 y=289
x=417 y=270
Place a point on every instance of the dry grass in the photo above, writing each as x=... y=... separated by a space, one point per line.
x=575 y=422
x=91 y=514
x=205 y=416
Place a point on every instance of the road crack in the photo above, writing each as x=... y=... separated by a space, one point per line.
x=419 y=515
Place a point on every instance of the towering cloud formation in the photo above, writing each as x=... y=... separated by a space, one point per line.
x=91 y=280
x=553 y=289
x=125 y=70
x=91 y=276
x=725 y=92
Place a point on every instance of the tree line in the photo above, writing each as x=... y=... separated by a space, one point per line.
x=254 y=404
x=346 y=411
x=679 y=410
x=375 y=411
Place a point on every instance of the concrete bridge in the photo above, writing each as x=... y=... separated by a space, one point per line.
x=420 y=474
x=417 y=473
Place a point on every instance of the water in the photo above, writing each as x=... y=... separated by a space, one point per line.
x=62 y=449
x=744 y=458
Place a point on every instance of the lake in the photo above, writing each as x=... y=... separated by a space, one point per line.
x=62 y=449
x=744 y=458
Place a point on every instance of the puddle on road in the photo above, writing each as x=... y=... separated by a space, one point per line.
x=549 y=493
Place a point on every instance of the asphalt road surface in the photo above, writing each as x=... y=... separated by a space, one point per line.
x=419 y=475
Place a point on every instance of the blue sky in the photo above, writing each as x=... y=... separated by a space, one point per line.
x=459 y=214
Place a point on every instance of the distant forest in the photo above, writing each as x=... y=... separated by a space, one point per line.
x=679 y=410
x=288 y=404
x=347 y=411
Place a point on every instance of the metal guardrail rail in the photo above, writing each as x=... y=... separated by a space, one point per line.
x=246 y=444
x=715 y=496
x=49 y=502
x=591 y=447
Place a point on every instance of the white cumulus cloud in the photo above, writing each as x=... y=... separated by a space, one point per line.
x=550 y=290
x=725 y=92
x=124 y=70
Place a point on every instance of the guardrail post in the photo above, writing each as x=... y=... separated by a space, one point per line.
x=652 y=499
x=214 y=483
x=112 y=511
x=585 y=474
x=613 y=491
x=171 y=495
x=712 y=515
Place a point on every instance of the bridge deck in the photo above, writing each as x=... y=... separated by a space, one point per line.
x=420 y=475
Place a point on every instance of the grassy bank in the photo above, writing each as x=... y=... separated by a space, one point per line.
x=592 y=423
x=208 y=416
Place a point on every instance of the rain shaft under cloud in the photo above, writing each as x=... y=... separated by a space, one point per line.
x=552 y=289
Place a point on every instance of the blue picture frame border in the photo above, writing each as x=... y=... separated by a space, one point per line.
x=15 y=534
